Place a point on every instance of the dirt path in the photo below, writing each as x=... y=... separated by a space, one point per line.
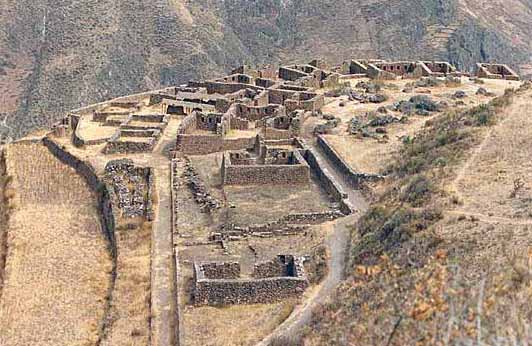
x=507 y=155
x=337 y=243
x=163 y=279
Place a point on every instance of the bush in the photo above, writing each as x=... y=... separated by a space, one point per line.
x=384 y=230
x=417 y=191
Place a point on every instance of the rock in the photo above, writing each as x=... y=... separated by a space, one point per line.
x=381 y=130
x=482 y=91
x=341 y=104
x=460 y=94
x=382 y=110
x=382 y=121
x=424 y=102
x=369 y=87
x=354 y=96
x=376 y=98
x=427 y=82
x=422 y=112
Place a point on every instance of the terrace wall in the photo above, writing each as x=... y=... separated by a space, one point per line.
x=350 y=176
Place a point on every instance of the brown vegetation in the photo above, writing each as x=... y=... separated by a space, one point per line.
x=419 y=276
x=129 y=318
x=58 y=267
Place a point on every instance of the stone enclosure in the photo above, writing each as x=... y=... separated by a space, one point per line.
x=220 y=283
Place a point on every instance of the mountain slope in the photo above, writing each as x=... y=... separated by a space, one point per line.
x=57 y=55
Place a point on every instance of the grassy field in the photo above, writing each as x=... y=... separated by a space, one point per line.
x=58 y=267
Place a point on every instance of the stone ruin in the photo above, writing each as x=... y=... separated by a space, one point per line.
x=496 y=71
x=200 y=191
x=137 y=134
x=220 y=283
x=381 y=69
x=131 y=188
x=263 y=165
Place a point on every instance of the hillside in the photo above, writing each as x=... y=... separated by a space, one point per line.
x=56 y=56
x=442 y=257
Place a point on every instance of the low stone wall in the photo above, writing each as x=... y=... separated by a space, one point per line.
x=130 y=147
x=199 y=144
x=295 y=174
x=199 y=189
x=311 y=218
x=353 y=178
x=270 y=133
x=221 y=292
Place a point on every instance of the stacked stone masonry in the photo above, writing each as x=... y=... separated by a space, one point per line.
x=219 y=283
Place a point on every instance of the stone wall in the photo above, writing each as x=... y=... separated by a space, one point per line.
x=274 y=134
x=253 y=113
x=496 y=71
x=291 y=74
x=350 y=176
x=221 y=292
x=188 y=124
x=208 y=144
x=220 y=270
x=103 y=191
x=199 y=144
x=223 y=88
x=130 y=147
x=132 y=186
x=207 y=121
x=277 y=267
x=292 y=174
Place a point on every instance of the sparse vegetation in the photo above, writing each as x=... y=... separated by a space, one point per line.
x=58 y=270
x=408 y=280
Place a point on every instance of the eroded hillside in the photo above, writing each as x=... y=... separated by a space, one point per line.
x=56 y=56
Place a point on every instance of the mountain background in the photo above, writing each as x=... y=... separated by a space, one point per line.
x=62 y=54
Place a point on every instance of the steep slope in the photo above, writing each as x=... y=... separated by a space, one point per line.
x=56 y=55
x=443 y=256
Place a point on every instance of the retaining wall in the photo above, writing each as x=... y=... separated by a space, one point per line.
x=350 y=176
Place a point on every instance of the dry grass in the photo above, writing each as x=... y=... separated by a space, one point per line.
x=489 y=177
x=129 y=321
x=58 y=267
x=446 y=280
x=235 y=325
